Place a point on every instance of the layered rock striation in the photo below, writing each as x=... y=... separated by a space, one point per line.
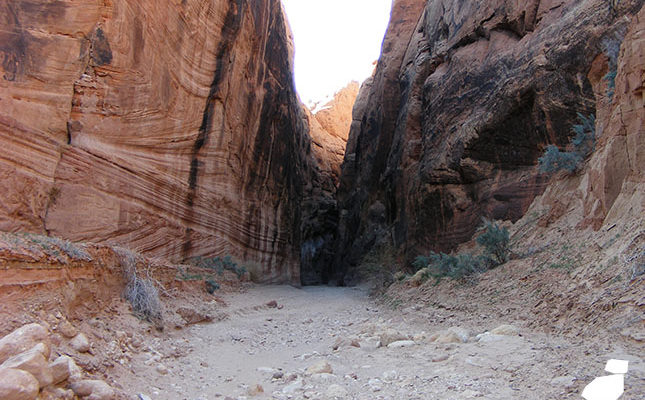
x=464 y=100
x=171 y=127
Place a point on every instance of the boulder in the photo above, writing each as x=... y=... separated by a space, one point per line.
x=34 y=362
x=16 y=384
x=80 y=343
x=93 y=390
x=64 y=368
x=23 y=339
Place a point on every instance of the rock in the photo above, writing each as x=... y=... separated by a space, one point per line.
x=390 y=335
x=80 y=343
x=506 y=330
x=272 y=304
x=67 y=329
x=161 y=369
x=336 y=391
x=23 y=339
x=370 y=344
x=192 y=316
x=433 y=140
x=93 y=390
x=419 y=277
x=321 y=367
x=293 y=387
x=255 y=390
x=488 y=337
x=144 y=397
x=208 y=141
x=565 y=382
x=401 y=343
x=34 y=362
x=277 y=375
x=375 y=385
x=439 y=358
x=60 y=369
x=56 y=393
x=16 y=384
x=390 y=376
x=451 y=335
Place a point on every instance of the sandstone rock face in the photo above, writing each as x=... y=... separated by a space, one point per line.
x=464 y=100
x=169 y=127
x=328 y=128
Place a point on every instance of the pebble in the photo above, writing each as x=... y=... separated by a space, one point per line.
x=401 y=343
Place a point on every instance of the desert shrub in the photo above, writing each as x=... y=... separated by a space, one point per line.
x=458 y=267
x=611 y=48
x=144 y=298
x=141 y=293
x=495 y=241
x=583 y=143
x=211 y=286
x=219 y=264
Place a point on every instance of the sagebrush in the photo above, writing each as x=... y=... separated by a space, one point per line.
x=582 y=144
x=141 y=293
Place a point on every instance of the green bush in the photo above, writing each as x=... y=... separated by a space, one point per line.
x=458 y=267
x=219 y=264
x=583 y=144
x=211 y=286
x=495 y=241
x=378 y=267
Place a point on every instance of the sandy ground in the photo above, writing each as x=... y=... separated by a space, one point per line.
x=263 y=351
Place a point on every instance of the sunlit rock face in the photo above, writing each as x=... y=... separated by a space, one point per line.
x=465 y=97
x=171 y=127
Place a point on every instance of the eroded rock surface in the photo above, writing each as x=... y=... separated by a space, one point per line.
x=465 y=98
x=172 y=128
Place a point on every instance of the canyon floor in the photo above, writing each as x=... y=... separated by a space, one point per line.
x=323 y=342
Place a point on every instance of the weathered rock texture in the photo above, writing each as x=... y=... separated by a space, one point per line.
x=466 y=96
x=171 y=127
x=328 y=128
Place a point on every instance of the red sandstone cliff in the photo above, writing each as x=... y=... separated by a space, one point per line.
x=465 y=98
x=172 y=127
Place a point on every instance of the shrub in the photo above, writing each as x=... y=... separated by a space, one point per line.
x=141 y=293
x=495 y=241
x=583 y=143
x=219 y=264
x=611 y=48
x=211 y=286
x=458 y=267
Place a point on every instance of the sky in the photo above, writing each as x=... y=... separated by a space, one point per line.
x=336 y=41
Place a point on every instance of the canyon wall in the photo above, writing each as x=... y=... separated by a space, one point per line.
x=464 y=100
x=172 y=127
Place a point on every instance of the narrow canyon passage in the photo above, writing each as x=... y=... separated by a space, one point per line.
x=326 y=343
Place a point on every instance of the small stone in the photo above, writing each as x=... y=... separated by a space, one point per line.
x=162 y=369
x=55 y=393
x=506 y=330
x=390 y=376
x=487 y=337
x=375 y=385
x=563 y=381
x=192 y=316
x=95 y=389
x=321 y=367
x=272 y=304
x=34 y=362
x=292 y=387
x=370 y=344
x=439 y=358
x=401 y=343
x=255 y=390
x=336 y=391
x=80 y=343
x=144 y=397
x=16 y=384
x=278 y=375
x=451 y=335
x=390 y=335
x=23 y=339
x=67 y=329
